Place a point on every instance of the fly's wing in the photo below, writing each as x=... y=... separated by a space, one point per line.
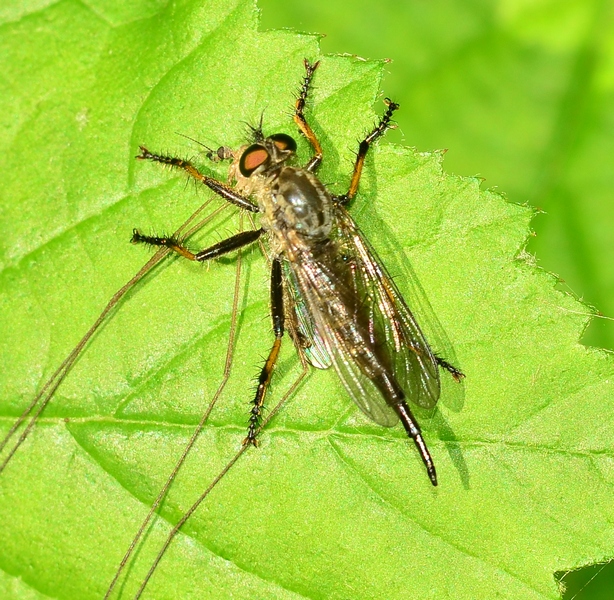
x=344 y=290
x=314 y=347
x=328 y=300
x=392 y=325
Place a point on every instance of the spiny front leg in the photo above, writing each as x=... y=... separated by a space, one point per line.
x=221 y=189
x=379 y=130
x=301 y=121
x=224 y=247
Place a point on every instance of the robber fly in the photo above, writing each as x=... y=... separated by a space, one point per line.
x=329 y=290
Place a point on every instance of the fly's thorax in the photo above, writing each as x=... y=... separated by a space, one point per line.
x=297 y=204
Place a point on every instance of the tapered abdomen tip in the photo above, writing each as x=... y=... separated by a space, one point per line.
x=433 y=476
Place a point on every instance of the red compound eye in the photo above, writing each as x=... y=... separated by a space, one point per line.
x=284 y=142
x=252 y=158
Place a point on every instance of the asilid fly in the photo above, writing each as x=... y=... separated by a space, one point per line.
x=340 y=307
x=329 y=290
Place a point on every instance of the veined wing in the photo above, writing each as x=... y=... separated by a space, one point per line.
x=314 y=348
x=413 y=362
x=333 y=308
x=364 y=323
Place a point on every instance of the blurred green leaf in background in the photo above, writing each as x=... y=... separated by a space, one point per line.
x=520 y=92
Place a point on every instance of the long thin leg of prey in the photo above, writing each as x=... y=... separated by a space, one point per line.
x=195 y=434
x=173 y=532
x=377 y=132
x=46 y=393
x=54 y=381
x=277 y=312
x=301 y=121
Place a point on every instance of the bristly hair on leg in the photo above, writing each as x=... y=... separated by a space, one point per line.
x=153 y=241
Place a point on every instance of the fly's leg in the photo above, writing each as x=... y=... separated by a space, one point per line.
x=457 y=374
x=221 y=189
x=277 y=313
x=299 y=116
x=224 y=247
x=378 y=131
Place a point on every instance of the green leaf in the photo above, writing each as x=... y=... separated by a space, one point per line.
x=330 y=505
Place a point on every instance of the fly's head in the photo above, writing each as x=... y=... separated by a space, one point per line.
x=255 y=163
x=266 y=155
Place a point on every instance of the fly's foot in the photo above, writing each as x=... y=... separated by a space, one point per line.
x=457 y=374
x=250 y=440
x=255 y=418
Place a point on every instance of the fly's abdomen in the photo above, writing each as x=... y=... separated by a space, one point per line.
x=347 y=319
